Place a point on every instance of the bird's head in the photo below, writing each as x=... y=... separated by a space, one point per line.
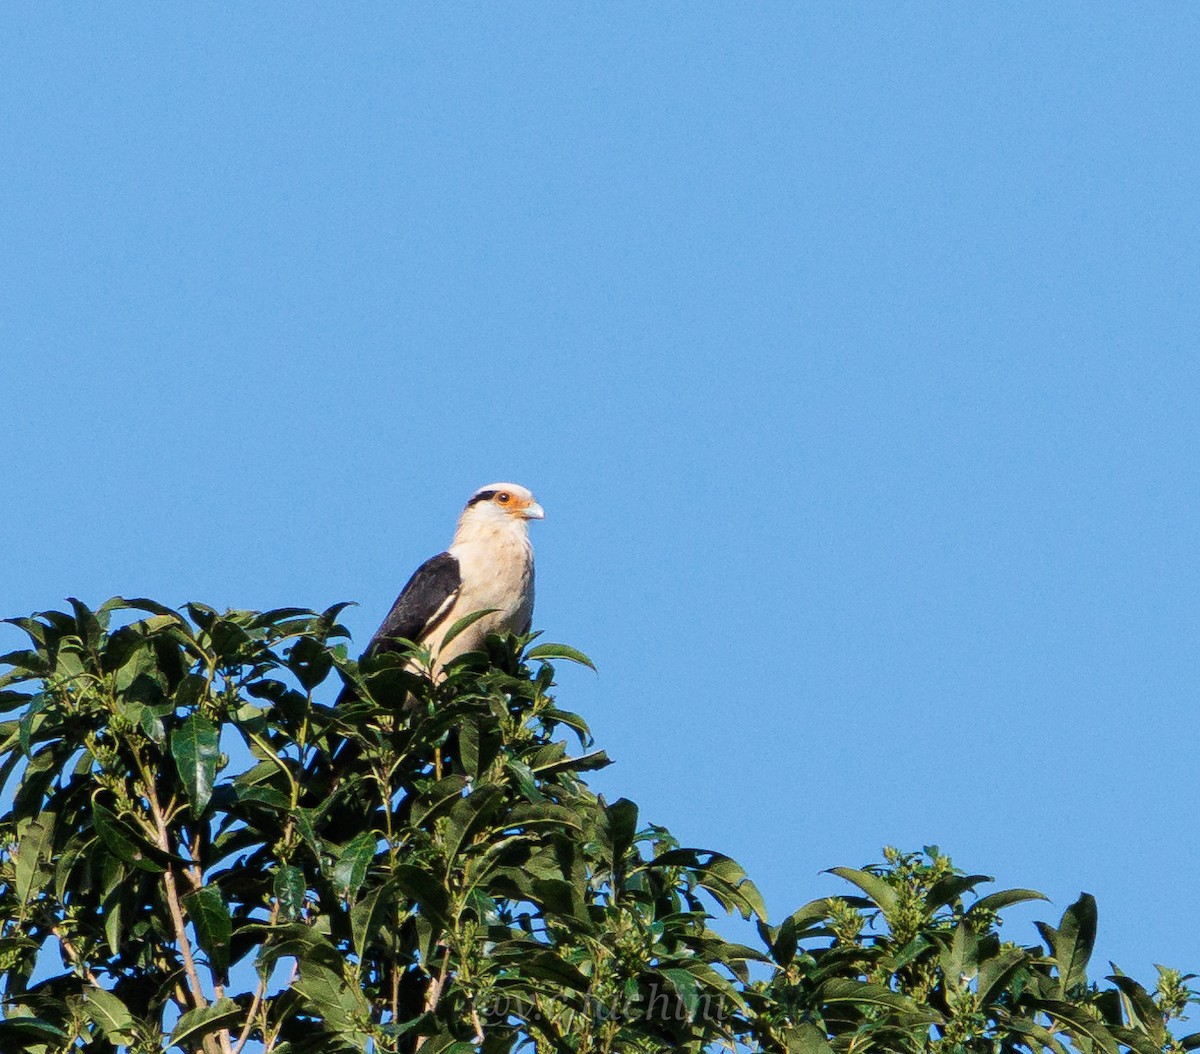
x=502 y=503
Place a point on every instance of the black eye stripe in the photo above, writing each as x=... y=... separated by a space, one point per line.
x=483 y=495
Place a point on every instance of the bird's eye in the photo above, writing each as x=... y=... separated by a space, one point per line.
x=504 y=497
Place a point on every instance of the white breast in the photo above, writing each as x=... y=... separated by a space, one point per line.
x=496 y=569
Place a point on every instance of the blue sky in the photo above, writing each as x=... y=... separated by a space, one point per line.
x=852 y=352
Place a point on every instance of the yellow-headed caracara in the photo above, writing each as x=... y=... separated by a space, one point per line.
x=488 y=565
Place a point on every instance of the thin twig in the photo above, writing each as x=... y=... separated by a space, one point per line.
x=395 y=984
x=434 y=993
x=76 y=958
x=259 y=992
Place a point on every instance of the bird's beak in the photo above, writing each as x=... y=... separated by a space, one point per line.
x=533 y=511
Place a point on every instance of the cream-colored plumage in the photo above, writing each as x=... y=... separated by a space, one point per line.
x=495 y=561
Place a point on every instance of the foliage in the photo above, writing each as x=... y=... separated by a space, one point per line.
x=199 y=853
x=917 y=963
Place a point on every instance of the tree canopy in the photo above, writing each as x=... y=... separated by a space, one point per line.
x=200 y=851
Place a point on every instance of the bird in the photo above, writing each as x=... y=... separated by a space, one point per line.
x=488 y=567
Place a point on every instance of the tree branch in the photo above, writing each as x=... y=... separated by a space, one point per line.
x=434 y=993
x=175 y=908
x=259 y=992
x=76 y=958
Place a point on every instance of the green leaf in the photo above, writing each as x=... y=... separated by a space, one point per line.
x=310 y=662
x=196 y=750
x=846 y=990
x=202 y=1021
x=907 y=953
x=125 y=841
x=875 y=887
x=525 y=779
x=368 y=916
x=19 y=1029
x=276 y=616
x=1140 y=1008
x=686 y=988
x=560 y=651
x=89 y=628
x=465 y=623
x=152 y=607
x=553 y=716
x=110 y=1015
x=949 y=889
x=189 y=691
x=30 y=663
x=340 y=1004
x=468 y=748
x=353 y=862
x=994 y=973
x=1073 y=941
x=290 y=889
x=1026 y=1027
x=808 y=1039
x=114 y=880
x=306 y=942
x=622 y=818
x=440 y=796
x=721 y=875
x=10 y=701
x=597 y=759
x=230 y=641
x=34 y=853
x=152 y=725
x=550 y=967
x=1005 y=898
x=209 y=913
x=258 y=794
x=31 y=719
x=466 y=817
x=1080 y=1022
x=433 y=904
x=533 y=814
x=959 y=959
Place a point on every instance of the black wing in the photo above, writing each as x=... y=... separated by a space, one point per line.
x=422 y=605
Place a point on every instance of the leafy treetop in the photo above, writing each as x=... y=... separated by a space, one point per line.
x=201 y=852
